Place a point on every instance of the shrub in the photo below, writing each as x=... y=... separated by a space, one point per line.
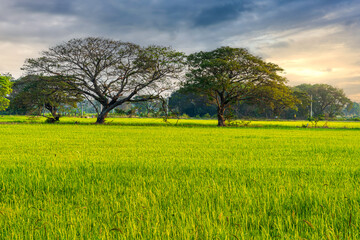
x=207 y=115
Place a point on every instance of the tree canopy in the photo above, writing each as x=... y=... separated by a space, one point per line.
x=35 y=92
x=229 y=75
x=5 y=90
x=326 y=99
x=110 y=72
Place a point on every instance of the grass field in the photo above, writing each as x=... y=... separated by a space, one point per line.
x=184 y=122
x=141 y=179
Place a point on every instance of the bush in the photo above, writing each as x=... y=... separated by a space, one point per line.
x=207 y=115
x=120 y=112
x=52 y=119
x=354 y=119
x=241 y=123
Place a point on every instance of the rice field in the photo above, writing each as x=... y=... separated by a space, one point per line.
x=186 y=122
x=144 y=179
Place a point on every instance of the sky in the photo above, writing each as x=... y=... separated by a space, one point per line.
x=314 y=41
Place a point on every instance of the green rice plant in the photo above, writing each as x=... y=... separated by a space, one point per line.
x=152 y=181
x=184 y=122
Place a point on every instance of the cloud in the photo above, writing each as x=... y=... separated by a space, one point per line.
x=44 y=6
x=228 y=17
x=313 y=40
x=219 y=14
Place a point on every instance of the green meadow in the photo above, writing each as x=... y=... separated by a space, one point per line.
x=186 y=122
x=144 y=179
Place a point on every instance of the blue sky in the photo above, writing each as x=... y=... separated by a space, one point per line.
x=315 y=41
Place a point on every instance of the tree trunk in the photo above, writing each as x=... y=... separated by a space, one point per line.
x=101 y=118
x=104 y=112
x=220 y=114
x=105 y=109
x=53 y=111
x=55 y=115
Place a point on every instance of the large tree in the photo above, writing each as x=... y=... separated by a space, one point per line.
x=5 y=90
x=229 y=75
x=111 y=72
x=34 y=92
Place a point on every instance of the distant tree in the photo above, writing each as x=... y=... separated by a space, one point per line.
x=249 y=110
x=228 y=75
x=268 y=105
x=353 y=109
x=302 y=105
x=34 y=92
x=277 y=99
x=111 y=72
x=5 y=90
x=326 y=99
x=149 y=108
x=191 y=103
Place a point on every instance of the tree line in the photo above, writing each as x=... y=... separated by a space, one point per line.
x=326 y=100
x=224 y=82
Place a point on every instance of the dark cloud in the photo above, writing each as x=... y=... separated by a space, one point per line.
x=274 y=29
x=219 y=14
x=163 y=15
x=44 y=6
x=170 y=15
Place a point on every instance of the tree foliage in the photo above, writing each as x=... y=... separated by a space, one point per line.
x=111 y=72
x=353 y=109
x=34 y=92
x=326 y=99
x=191 y=103
x=302 y=105
x=229 y=75
x=5 y=90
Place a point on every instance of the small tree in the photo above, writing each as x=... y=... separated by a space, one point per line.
x=34 y=92
x=228 y=75
x=111 y=72
x=5 y=90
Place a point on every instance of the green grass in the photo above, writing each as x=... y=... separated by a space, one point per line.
x=82 y=181
x=184 y=122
